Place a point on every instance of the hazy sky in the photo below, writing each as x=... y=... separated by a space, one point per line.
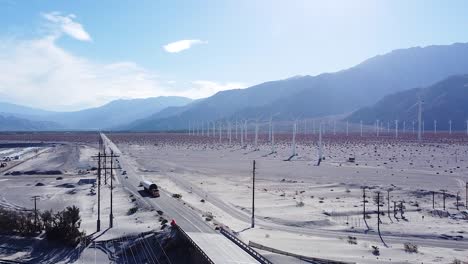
x=74 y=54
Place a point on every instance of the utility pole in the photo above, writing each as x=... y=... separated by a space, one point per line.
x=458 y=200
x=253 y=195
x=433 y=200
x=388 y=204
x=35 y=197
x=105 y=166
x=364 y=206
x=99 y=193
x=443 y=193
x=466 y=195
x=379 y=201
x=401 y=210
x=450 y=127
x=111 y=216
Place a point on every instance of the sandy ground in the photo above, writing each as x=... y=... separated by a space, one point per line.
x=56 y=192
x=311 y=210
x=300 y=208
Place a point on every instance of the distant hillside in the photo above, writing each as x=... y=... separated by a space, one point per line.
x=19 y=110
x=325 y=94
x=117 y=112
x=443 y=101
x=113 y=114
x=12 y=123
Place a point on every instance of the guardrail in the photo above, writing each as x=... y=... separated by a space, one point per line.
x=245 y=247
x=4 y=261
x=301 y=257
x=194 y=244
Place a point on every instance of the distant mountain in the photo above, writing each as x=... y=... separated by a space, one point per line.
x=222 y=104
x=108 y=116
x=12 y=123
x=325 y=94
x=116 y=113
x=19 y=110
x=446 y=100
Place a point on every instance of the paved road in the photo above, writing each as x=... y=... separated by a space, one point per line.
x=215 y=245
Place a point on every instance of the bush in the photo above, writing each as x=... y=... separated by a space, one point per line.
x=132 y=210
x=410 y=248
x=352 y=240
x=17 y=223
x=177 y=195
x=63 y=226
x=375 y=251
x=300 y=204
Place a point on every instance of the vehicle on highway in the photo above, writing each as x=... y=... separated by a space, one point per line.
x=150 y=187
x=3 y=164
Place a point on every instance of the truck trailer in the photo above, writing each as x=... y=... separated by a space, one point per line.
x=150 y=188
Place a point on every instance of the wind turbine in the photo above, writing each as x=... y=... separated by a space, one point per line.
x=320 y=145
x=420 y=103
x=256 y=136
x=396 y=128
x=230 y=132
x=220 y=132
x=347 y=127
x=361 y=127
x=241 y=135
x=378 y=127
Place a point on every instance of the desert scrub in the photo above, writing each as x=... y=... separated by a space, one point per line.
x=410 y=248
x=132 y=210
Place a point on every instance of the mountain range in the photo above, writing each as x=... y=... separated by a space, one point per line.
x=111 y=115
x=299 y=97
x=444 y=101
x=326 y=94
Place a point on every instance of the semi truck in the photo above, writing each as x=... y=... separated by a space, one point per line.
x=150 y=188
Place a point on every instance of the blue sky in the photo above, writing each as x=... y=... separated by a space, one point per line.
x=67 y=55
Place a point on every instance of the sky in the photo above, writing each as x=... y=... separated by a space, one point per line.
x=70 y=55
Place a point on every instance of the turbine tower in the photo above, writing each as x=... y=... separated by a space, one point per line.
x=361 y=127
x=420 y=102
x=320 y=145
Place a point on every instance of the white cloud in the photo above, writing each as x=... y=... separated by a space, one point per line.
x=40 y=73
x=181 y=45
x=203 y=88
x=67 y=25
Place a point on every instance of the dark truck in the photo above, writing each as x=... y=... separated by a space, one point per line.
x=150 y=188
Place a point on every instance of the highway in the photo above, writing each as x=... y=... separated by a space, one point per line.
x=216 y=246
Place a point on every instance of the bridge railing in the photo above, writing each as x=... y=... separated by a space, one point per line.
x=194 y=244
x=245 y=247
